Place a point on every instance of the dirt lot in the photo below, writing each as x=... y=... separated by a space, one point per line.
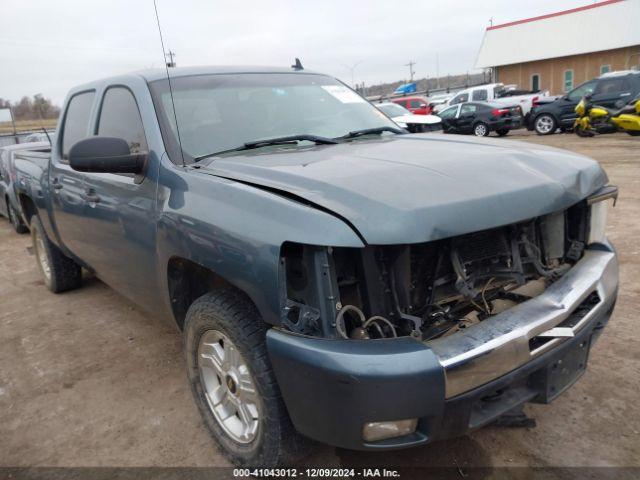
x=86 y=379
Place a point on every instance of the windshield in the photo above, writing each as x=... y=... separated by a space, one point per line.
x=393 y=110
x=222 y=112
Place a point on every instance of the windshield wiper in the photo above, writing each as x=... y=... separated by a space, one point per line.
x=372 y=131
x=291 y=139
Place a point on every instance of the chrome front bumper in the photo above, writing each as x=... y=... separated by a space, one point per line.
x=500 y=344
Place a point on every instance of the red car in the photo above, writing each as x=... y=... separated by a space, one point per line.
x=417 y=105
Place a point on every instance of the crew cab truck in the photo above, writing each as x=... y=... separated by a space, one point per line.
x=333 y=277
x=498 y=93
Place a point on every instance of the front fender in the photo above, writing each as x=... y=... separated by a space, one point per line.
x=236 y=231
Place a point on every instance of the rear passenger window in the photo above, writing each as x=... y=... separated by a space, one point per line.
x=76 y=120
x=460 y=98
x=415 y=103
x=479 y=95
x=120 y=118
x=609 y=85
x=467 y=108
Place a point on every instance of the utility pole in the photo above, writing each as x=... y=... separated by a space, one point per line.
x=352 y=69
x=410 y=65
x=170 y=55
x=437 y=71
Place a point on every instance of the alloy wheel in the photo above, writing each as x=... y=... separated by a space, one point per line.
x=228 y=386
x=544 y=124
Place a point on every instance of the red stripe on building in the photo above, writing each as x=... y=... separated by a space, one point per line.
x=556 y=14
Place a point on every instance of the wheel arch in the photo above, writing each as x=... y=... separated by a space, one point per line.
x=27 y=207
x=187 y=281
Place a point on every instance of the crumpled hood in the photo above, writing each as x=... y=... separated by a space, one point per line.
x=418 y=188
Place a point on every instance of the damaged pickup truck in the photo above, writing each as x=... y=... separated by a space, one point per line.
x=333 y=277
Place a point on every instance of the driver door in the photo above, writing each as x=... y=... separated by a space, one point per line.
x=448 y=116
x=467 y=117
x=120 y=209
x=569 y=102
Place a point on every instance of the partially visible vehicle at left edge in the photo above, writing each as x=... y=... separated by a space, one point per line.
x=406 y=119
x=481 y=118
x=9 y=205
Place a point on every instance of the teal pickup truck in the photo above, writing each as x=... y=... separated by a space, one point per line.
x=333 y=277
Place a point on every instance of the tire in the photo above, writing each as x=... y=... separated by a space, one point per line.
x=502 y=132
x=225 y=325
x=581 y=132
x=59 y=271
x=545 y=124
x=633 y=133
x=15 y=219
x=481 y=129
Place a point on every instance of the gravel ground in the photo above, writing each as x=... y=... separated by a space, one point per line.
x=86 y=379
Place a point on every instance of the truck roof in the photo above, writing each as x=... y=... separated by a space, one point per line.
x=159 y=73
x=26 y=146
x=153 y=74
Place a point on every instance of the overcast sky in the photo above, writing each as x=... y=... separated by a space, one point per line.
x=49 y=46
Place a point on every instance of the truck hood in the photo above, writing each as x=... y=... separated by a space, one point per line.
x=418 y=188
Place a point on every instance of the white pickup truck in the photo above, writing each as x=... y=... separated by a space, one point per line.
x=507 y=95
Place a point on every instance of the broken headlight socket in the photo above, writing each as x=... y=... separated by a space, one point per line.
x=375 y=431
x=599 y=203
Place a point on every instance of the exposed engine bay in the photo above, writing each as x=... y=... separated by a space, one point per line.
x=427 y=290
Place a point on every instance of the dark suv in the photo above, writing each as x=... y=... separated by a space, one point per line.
x=612 y=90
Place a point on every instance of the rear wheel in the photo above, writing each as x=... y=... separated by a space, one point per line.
x=15 y=219
x=481 y=129
x=59 y=271
x=502 y=132
x=545 y=124
x=233 y=383
x=581 y=132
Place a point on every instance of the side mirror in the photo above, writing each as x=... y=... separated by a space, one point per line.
x=105 y=155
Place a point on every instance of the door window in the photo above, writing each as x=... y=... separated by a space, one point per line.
x=460 y=98
x=120 y=118
x=581 y=91
x=448 y=113
x=415 y=103
x=609 y=86
x=76 y=120
x=568 y=80
x=468 y=109
x=479 y=95
x=535 y=82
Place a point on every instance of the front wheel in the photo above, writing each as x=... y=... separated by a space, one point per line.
x=545 y=124
x=233 y=383
x=633 y=133
x=481 y=129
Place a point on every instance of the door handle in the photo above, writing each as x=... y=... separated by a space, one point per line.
x=56 y=183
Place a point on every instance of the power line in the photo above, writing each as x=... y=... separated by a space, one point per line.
x=410 y=65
